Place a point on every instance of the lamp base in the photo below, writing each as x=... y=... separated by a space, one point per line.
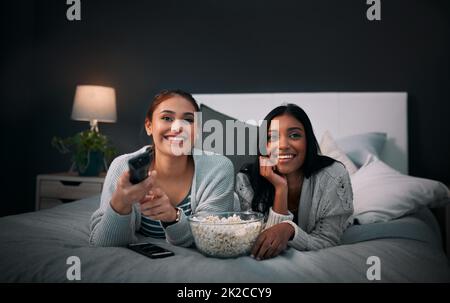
x=94 y=125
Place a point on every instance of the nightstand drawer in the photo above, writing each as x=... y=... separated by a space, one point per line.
x=57 y=189
x=68 y=189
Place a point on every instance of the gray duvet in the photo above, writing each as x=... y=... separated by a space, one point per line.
x=34 y=247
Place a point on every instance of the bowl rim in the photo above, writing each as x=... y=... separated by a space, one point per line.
x=259 y=217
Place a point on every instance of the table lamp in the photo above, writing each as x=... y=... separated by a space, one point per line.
x=94 y=104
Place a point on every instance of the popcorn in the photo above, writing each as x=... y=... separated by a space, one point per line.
x=225 y=236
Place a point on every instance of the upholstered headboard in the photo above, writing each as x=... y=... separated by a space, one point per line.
x=343 y=114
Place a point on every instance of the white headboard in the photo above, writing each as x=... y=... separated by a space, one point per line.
x=342 y=114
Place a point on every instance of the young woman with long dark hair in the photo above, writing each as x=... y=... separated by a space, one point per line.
x=307 y=197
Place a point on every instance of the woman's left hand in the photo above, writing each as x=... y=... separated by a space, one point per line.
x=157 y=206
x=272 y=241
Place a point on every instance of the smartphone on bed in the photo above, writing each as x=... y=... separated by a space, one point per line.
x=150 y=250
x=139 y=166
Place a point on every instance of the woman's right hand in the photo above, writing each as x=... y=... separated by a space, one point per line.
x=126 y=194
x=266 y=169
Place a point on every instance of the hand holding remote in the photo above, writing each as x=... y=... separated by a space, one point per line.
x=126 y=193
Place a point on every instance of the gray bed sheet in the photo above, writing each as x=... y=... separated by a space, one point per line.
x=34 y=247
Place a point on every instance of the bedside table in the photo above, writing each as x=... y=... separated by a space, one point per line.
x=56 y=189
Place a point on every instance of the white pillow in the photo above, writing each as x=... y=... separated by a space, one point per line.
x=380 y=193
x=329 y=148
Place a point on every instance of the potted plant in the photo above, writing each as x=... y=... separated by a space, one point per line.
x=91 y=151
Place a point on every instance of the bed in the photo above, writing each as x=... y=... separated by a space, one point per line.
x=36 y=247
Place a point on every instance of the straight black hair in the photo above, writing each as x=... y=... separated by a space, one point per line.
x=264 y=192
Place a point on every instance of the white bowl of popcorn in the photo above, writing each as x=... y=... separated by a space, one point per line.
x=226 y=234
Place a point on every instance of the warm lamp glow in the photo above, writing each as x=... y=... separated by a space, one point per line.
x=95 y=104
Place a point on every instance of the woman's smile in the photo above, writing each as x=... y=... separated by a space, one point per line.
x=286 y=158
x=175 y=139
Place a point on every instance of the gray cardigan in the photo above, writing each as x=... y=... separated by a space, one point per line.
x=211 y=190
x=326 y=203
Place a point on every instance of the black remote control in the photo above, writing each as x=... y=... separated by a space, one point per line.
x=139 y=166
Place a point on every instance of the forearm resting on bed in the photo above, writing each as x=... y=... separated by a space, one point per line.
x=108 y=228
x=326 y=233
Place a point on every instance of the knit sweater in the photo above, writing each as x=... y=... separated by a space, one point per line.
x=326 y=203
x=211 y=191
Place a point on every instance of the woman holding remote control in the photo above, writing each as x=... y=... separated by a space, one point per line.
x=179 y=181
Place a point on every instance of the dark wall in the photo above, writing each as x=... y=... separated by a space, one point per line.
x=17 y=108
x=140 y=47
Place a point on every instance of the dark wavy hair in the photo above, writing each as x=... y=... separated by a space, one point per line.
x=264 y=192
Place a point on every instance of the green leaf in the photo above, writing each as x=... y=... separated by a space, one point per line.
x=82 y=143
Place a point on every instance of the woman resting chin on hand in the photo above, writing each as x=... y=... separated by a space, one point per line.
x=306 y=197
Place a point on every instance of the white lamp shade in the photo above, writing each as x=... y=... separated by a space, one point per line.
x=94 y=103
